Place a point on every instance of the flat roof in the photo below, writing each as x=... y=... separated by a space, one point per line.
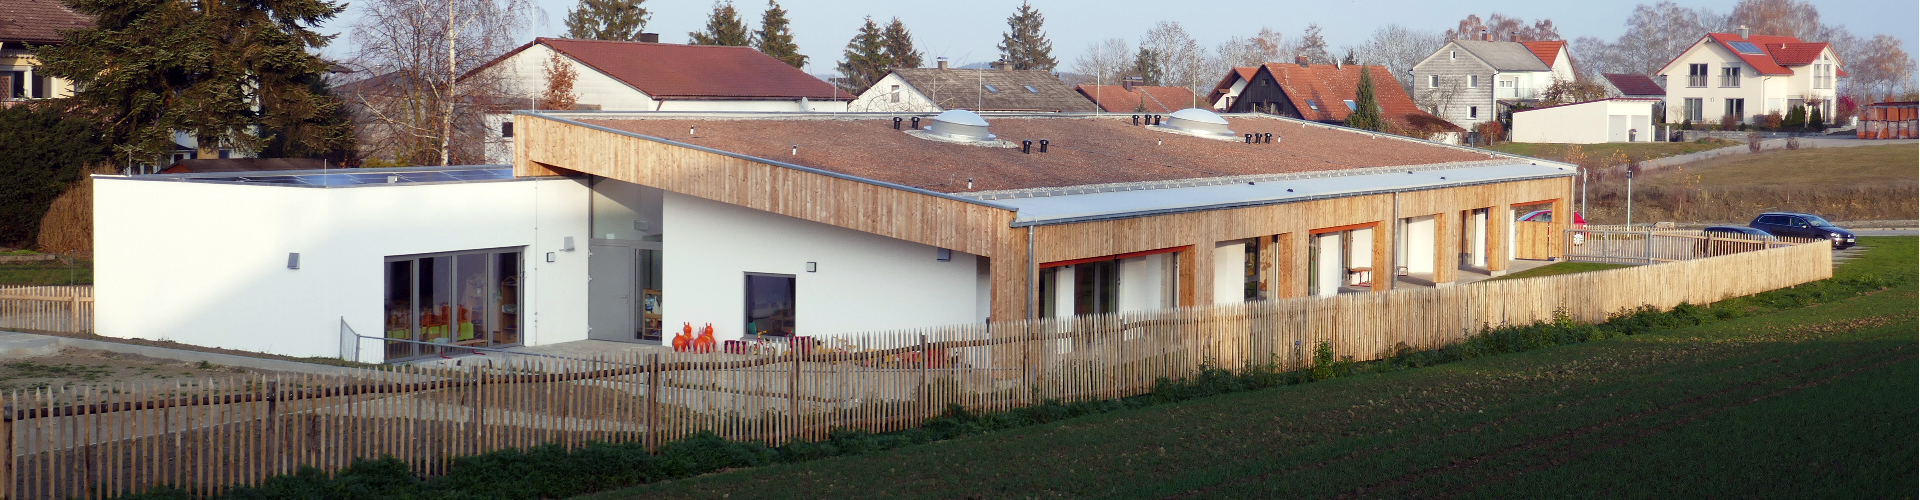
x=1083 y=148
x=346 y=177
x=1117 y=202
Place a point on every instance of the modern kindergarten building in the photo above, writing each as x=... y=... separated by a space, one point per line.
x=626 y=226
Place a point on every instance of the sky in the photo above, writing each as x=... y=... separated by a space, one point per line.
x=966 y=32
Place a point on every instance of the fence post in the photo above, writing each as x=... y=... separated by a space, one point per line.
x=73 y=311
x=1649 y=252
x=273 y=426
x=6 y=452
x=653 y=402
x=926 y=396
x=793 y=393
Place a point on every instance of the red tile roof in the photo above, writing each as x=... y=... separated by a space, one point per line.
x=37 y=21
x=1226 y=82
x=1150 y=99
x=673 y=71
x=1635 y=85
x=1084 y=149
x=1329 y=86
x=1547 y=51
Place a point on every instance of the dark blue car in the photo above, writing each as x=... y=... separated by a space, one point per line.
x=1802 y=226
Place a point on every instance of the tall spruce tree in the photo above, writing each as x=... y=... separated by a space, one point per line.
x=227 y=72
x=776 y=39
x=899 y=43
x=1366 y=109
x=1147 y=66
x=1025 y=44
x=865 y=60
x=618 y=20
x=724 y=27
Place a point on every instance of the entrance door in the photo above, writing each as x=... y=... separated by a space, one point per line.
x=611 y=297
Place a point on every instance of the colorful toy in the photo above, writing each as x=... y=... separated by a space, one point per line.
x=684 y=339
x=704 y=343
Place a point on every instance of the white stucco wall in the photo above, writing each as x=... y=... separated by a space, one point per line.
x=211 y=269
x=1229 y=266
x=864 y=282
x=1419 y=244
x=1586 y=123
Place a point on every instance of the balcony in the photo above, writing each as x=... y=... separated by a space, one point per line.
x=1516 y=93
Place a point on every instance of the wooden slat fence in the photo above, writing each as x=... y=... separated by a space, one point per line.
x=67 y=308
x=214 y=434
x=1653 y=247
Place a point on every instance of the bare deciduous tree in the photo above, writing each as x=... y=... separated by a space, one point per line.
x=1105 y=62
x=1267 y=46
x=1502 y=27
x=1399 y=48
x=1178 y=55
x=418 y=102
x=1882 y=69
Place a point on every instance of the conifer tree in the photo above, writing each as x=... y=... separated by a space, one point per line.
x=618 y=20
x=1147 y=66
x=899 y=46
x=1366 y=109
x=227 y=72
x=1025 y=44
x=776 y=39
x=724 y=27
x=1815 y=121
x=865 y=60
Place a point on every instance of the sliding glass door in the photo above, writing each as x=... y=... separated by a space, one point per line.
x=455 y=299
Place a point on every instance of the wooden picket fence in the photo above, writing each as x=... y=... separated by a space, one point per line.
x=211 y=435
x=1653 y=247
x=67 y=308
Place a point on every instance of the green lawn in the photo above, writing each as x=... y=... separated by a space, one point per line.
x=1802 y=401
x=51 y=272
x=1830 y=167
x=1559 y=268
x=1627 y=151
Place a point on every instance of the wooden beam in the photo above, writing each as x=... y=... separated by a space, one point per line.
x=1499 y=218
x=1383 y=265
x=1446 y=246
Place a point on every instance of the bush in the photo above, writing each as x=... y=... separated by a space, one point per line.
x=1796 y=118
x=1769 y=121
x=1817 y=122
x=1730 y=122
x=42 y=151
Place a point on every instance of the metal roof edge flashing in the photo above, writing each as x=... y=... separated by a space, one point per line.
x=1216 y=181
x=1258 y=203
x=776 y=163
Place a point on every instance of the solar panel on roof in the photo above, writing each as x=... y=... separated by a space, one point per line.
x=1745 y=48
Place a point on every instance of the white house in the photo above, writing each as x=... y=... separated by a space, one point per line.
x=1471 y=81
x=1620 y=119
x=649 y=76
x=1728 y=74
x=932 y=90
x=38 y=23
x=625 y=226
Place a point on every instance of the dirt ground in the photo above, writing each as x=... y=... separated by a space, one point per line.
x=80 y=368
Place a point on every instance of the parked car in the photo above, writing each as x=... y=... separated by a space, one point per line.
x=1803 y=226
x=1579 y=238
x=1738 y=239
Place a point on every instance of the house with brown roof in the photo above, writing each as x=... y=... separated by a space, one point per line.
x=1324 y=93
x=623 y=227
x=35 y=22
x=1130 y=98
x=1743 y=76
x=931 y=90
x=652 y=76
x=1472 y=81
x=1639 y=86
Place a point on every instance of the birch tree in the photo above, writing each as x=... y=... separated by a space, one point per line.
x=421 y=105
x=1106 y=61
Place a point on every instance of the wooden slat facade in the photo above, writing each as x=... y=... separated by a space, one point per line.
x=552 y=147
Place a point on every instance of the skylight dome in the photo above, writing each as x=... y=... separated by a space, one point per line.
x=960 y=124
x=1198 y=121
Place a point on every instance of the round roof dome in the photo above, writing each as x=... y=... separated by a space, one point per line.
x=1199 y=121
x=962 y=125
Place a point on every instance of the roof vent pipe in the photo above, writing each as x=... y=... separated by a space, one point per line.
x=1268 y=139
x=1156 y=119
x=1249 y=138
x=896 y=123
x=1026 y=147
x=1043 y=145
x=1136 y=120
x=916 y=123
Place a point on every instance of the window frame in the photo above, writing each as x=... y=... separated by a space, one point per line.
x=1697 y=75
x=746 y=295
x=1433 y=81
x=1730 y=77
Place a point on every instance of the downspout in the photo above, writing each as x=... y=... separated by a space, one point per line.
x=1393 y=253
x=1033 y=275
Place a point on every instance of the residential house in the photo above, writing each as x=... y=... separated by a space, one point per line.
x=1472 y=81
x=624 y=226
x=32 y=22
x=932 y=90
x=1743 y=76
x=1130 y=98
x=651 y=76
x=1324 y=93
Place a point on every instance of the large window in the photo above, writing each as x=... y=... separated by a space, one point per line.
x=1696 y=75
x=1737 y=108
x=1696 y=108
x=1095 y=287
x=1730 y=76
x=770 y=305
x=460 y=299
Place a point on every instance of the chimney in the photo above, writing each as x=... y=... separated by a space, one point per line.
x=1484 y=36
x=1126 y=84
x=1513 y=36
x=1300 y=60
x=1744 y=31
x=650 y=37
x=942 y=63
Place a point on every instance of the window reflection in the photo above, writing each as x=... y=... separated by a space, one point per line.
x=465 y=299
